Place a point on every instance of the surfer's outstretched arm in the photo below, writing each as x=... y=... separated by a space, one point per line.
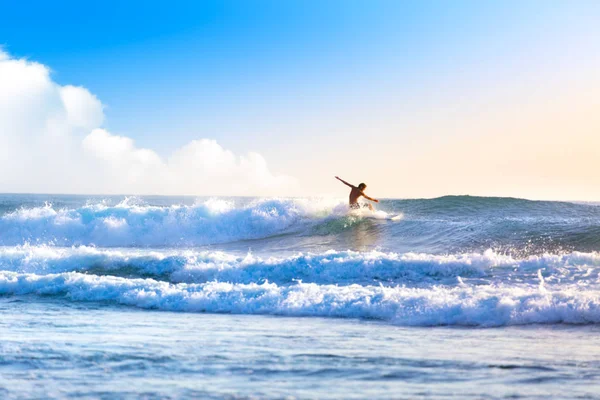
x=370 y=198
x=343 y=181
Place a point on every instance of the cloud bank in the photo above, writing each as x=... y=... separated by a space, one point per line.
x=52 y=141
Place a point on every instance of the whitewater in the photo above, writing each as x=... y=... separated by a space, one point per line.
x=449 y=271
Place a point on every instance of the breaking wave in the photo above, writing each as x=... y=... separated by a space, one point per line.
x=331 y=267
x=467 y=305
x=130 y=224
x=455 y=260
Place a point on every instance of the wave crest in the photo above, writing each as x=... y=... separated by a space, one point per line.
x=462 y=305
x=130 y=223
x=331 y=267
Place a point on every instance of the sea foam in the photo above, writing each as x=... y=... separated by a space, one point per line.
x=131 y=224
x=330 y=267
x=482 y=305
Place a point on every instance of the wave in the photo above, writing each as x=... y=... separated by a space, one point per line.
x=132 y=224
x=468 y=305
x=448 y=224
x=465 y=205
x=331 y=267
x=431 y=268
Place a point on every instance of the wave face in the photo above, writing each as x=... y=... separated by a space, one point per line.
x=444 y=225
x=448 y=261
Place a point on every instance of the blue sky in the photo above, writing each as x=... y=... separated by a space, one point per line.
x=289 y=78
x=189 y=67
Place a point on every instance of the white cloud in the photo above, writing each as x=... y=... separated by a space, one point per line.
x=83 y=109
x=51 y=140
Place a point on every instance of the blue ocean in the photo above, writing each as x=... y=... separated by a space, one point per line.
x=458 y=297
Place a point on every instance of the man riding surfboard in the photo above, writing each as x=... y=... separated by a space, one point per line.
x=356 y=192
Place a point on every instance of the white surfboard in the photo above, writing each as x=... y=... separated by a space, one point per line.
x=378 y=214
x=396 y=217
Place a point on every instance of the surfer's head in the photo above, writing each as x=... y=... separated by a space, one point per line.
x=362 y=186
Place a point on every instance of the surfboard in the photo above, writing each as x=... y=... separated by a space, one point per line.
x=381 y=215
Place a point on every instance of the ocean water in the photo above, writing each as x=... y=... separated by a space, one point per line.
x=175 y=297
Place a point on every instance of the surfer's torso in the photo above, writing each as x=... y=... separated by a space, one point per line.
x=355 y=194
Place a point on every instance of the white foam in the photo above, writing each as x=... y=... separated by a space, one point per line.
x=131 y=223
x=483 y=305
x=331 y=267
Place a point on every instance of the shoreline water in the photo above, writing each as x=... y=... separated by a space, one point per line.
x=55 y=349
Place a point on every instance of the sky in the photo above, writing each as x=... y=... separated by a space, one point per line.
x=416 y=99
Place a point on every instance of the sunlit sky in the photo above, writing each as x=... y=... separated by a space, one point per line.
x=417 y=99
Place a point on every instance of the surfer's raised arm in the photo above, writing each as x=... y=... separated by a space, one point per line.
x=344 y=182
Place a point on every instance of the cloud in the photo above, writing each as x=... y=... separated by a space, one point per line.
x=51 y=140
x=83 y=109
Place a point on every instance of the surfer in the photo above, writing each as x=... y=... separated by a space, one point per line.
x=356 y=192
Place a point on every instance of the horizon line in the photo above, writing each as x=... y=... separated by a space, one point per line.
x=287 y=197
